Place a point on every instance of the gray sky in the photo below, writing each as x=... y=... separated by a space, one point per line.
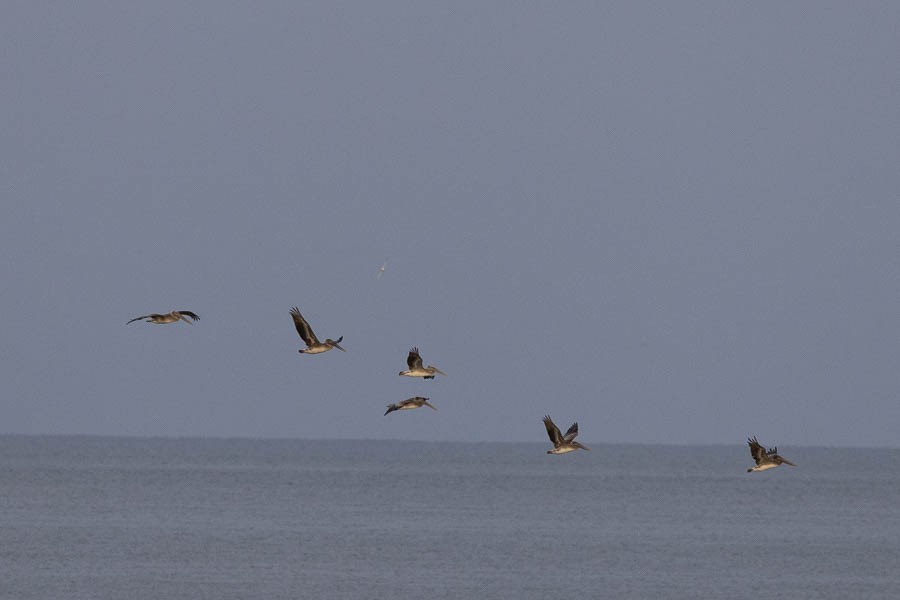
x=673 y=223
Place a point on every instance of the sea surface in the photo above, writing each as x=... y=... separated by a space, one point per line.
x=133 y=518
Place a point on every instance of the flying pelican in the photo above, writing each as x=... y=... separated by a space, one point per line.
x=381 y=270
x=409 y=404
x=414 y=361
x=562 y=443
x=313 y=345
x=765 y=459
x=172 y=317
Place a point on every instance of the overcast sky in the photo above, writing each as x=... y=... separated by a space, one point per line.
x=671 y=222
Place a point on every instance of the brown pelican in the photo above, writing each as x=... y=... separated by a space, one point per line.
x=313 y=345
x=562 y=443
x=414 y=361
x=409 y=404
x=172 y=317
x=381 y=269
x=765 y=459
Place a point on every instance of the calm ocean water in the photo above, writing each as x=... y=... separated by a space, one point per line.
x=94 y=517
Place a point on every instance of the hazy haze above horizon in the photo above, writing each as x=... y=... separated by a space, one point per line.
x=672 y=224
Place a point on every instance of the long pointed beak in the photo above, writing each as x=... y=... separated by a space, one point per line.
x=338 y=346
x=430 y=406
x=787 y=462
x=436 y=370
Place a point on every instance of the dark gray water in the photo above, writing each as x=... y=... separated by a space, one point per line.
x=92 y=517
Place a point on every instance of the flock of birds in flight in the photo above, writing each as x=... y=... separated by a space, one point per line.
x=562 y=444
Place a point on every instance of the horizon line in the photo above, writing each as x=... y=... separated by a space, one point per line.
x=417 y=441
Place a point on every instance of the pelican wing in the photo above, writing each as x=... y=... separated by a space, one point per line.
x=187 y=313
x=141 y=317
x=303 y=328
x=571 y=433
x=756 y=450
x=553 y=431
x=414 y=361
x=784 y=460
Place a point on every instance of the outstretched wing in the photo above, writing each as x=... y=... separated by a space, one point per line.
x=782 y=459
x=414 y=361
x=187 y=313
x=756 y=450
x=140 y=318
x=571 y=433
x=303 y=328
x=552 y=431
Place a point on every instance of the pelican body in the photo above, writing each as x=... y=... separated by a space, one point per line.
x=172 y=317
x=313 y=345
x=765 y=459
x=414 y=362
x=409 y=404
x=562 y=443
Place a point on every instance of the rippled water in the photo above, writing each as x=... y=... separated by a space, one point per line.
x=92 y=517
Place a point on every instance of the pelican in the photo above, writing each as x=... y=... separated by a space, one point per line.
x=381 y=269
x=172 y=317
x=562 y=443
x=414 y=361
x=409 y=404
x=313 y=345
x=765 y=459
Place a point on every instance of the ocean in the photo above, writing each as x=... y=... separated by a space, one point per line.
x=130 y=518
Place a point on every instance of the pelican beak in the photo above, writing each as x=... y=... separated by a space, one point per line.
x=787 y=462
x=436 y=370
